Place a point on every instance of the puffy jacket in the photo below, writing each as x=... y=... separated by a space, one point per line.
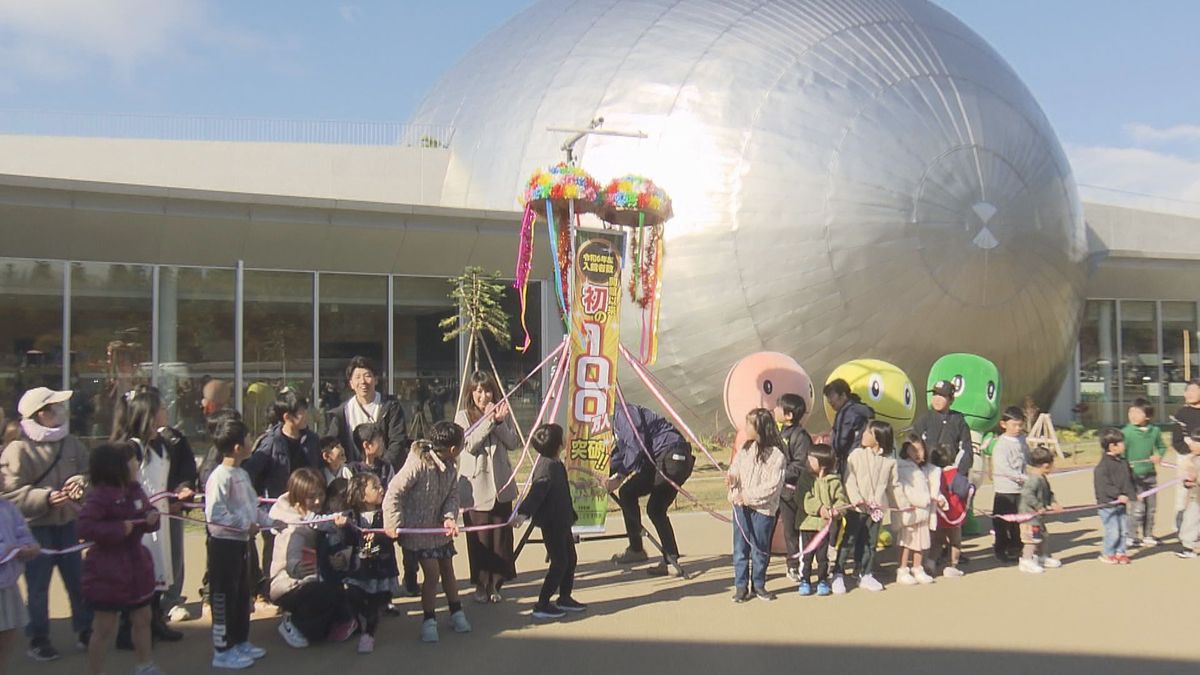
x=270 y=464
x=118 y=569
x=848 y=425
x=28 y=475
x=290 y=545
x=656 y=433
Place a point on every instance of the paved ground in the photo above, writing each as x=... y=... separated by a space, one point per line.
x=1084 y=618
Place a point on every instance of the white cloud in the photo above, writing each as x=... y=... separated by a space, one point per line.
x=1148 y=135
x=350 y=13
x=61 y=39
x=1137 y=177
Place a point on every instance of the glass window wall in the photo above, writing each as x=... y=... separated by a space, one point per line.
x=278 y=340
x=353 y=322
x=31 y=292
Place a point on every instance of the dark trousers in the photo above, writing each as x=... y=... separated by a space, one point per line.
x=38 y=572
x=1008 y=535
x=368 y=607
x=229 y=591
x=560 y=577
x=787 y=521
x=662 y=496
x=316 y=607
x=821 y=555
x=263 y=571
x=410 y=565
x=860 y=537
x=174 y=595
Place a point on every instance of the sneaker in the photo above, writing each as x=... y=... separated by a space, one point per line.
x=922 y=576
x=741 y=595
x=805 y=589
x=570 y=604
x=1149 y=541
x=905 y=577
x=231 y=660
x=630 y=556
x=1030 y=566
x=793 y=575
x=429 y=630
x=366 y=644
x=823 y=589
x=459 y=621
x=82 y=640
x=495 y=598
x=42 y=650
x=253 y=651
x=952 y=572
x=839 y=585
x=1050 y=563
x=1185 y=553
x=291 y=634
x=481 y=597
x=870 y=583
x=179 y=613
x=341 y=632
x=762 y=594
x=1123 y=559
x=548 y=611
x=391 y=610
x=1109 y=559
x=148 y=669
x=1130 y=542
x=1003 y=558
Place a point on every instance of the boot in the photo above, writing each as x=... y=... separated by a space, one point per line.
x=159 y=629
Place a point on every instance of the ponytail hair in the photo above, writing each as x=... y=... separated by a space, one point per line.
x=136 y=415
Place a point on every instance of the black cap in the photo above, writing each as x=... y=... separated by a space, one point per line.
x=943 y=388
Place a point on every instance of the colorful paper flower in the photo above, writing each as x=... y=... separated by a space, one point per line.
x=635 y=201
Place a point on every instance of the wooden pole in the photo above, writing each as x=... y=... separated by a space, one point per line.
x=1187 y=355
x=462 y=381
x=500 y=383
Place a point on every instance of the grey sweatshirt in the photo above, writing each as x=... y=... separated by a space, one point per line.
x=1010 y=456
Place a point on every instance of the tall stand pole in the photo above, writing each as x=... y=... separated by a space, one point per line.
x=500 y=383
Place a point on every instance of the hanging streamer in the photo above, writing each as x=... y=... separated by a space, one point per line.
x=524 y=263
x=651 y=296
x=554 y=252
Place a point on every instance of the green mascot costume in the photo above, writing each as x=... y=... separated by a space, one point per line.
x=977 y=398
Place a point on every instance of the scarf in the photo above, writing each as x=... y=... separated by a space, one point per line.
x=40 y=434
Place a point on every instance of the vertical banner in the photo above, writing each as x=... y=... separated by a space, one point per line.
x=595 y=341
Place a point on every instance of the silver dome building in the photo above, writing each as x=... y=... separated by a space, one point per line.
x=851 y=178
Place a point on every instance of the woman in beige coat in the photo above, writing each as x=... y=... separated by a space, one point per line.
x=485 y=485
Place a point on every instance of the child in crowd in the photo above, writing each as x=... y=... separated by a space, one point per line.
x=1036 y=499
x=231 y=509
x=548 y=505
x=822 y=498
x=951 y=512
x=118 y=571
x=1189 y=467
x=17 y=541
x=370 y=440
x=424 y=495
x=872 y=485
x=755 y=480
x=1010 y=455
x=796 y=445
x=1144 y=450
x=314 y=608
x=1114 y=483
x=371 y=580
x=333 y=458
x=335 y=550
x=921 y=488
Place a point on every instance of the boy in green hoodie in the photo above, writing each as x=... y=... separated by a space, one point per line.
x=1144 y=449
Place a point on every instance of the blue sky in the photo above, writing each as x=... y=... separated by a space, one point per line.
x=1119 y=80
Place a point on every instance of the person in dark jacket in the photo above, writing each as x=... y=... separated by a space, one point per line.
x=1113 y=480
x=797 y=442
x=548 y=505
x=287 y=445
x=942 y=426
x=182 y=481
x=849 y=421
x=639 y=431
x=368 y=405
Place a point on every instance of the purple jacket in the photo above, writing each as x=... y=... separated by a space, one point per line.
x=118 y=570
x=13 y=532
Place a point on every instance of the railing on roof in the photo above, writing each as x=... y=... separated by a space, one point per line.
x=238 y=129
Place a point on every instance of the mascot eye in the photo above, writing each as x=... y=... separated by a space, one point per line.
x=991 y=391
x=875 y=386
x=958 y=385
x=768 y=386
x=908 y=396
